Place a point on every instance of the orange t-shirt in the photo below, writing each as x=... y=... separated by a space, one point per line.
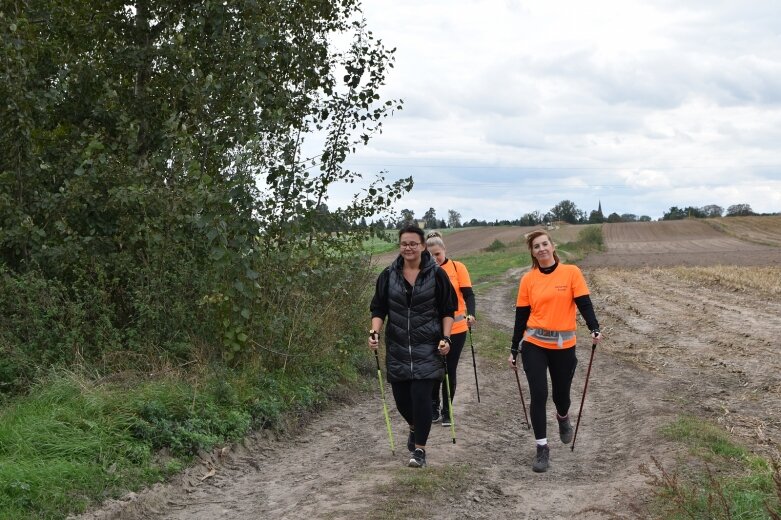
x=459 y=277
x=552 y=300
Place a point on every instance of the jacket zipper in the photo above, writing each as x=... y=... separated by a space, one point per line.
x=409 y=336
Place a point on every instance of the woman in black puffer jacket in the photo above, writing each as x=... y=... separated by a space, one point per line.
x=417 y=298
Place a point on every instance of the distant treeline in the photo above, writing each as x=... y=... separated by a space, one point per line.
x=564 y=211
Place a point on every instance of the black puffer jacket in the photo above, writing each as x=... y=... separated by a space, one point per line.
x=414 y=325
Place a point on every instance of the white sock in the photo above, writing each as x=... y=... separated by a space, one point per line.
x=542 y=442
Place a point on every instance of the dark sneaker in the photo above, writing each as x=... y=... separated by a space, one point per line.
x=436 y=416
x=411 y=441
x=418 y=459
x=540 y=464
x=446 y=420
x=566 y=432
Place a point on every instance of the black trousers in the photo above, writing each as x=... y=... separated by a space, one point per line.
x=537 y=361
x=457 y=342
x=413 y=401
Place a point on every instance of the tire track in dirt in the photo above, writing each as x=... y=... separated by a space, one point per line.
x=716 y=345
x=336 y=465
x=672 y=347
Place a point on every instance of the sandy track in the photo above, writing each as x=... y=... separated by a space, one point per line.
x=673 y=347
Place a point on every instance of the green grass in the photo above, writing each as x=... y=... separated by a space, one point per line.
x=72 y=442
x=589 y=240
x=411 y=494
x=722 y=480
x=377 y=246
x=490 y=266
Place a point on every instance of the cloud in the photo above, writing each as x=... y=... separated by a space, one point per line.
x=513 y=106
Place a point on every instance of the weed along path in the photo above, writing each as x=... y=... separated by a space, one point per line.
x=340 y=465
x=680 y=341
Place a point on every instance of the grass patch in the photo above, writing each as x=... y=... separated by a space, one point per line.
x=589 y=240
x=494 y=344
x=766 y=280
x=72 y=442
x=489 y=266
x=496 y=245
x=706 y=440
x=377 y=245
x=722 y=481
x=411 y=493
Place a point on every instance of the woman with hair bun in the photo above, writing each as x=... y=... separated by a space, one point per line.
x=463 y=321
x=544 y=335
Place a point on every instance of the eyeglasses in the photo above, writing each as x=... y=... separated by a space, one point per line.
x=409 y=245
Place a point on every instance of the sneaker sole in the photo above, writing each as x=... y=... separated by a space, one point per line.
x=415 y=464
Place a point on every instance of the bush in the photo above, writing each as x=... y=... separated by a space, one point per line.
x=496 y=245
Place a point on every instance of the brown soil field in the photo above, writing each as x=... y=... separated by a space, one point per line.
x=673 y=347
x=463 y=242
x=763 y=230
x=679 y=242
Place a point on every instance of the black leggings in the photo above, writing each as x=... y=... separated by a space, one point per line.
x=561 y=364
x=413 y=401
x=457 y=342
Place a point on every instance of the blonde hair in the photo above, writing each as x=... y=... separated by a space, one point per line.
x=530 y=238
x=434 y=238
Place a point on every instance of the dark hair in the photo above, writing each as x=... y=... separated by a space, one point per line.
x=412 y=228
x=530 y=238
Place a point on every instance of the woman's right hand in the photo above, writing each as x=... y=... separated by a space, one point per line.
x=374 y=339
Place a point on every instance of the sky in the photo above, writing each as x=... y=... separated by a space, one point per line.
x=512 y=106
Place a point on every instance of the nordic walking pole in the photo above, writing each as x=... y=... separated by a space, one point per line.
x=582 y=399
x=520 y=392
x=474 y=364
x=450 y=404
x=384 y=404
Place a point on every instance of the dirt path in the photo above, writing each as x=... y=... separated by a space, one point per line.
x=336 y=466
x=674 y=347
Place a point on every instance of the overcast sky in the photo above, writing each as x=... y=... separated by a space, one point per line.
x=513 y=106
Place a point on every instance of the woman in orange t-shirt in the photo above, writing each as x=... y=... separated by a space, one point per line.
x=464 y=320
x=545 y=329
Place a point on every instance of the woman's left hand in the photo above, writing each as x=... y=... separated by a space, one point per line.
x=444 y=347
x=471 y=321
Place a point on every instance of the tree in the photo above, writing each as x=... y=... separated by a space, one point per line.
x=430 y=218
x=693 y=212
x=675 y=213
x=644 y=218
x=453 y=218
x=739 y=210
x=614 y=217
x=533 y=218
x=596 y=217
x=712 y=211
x=144 y=141
x=566 y=211
x=628 y=217
x=407 y=218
